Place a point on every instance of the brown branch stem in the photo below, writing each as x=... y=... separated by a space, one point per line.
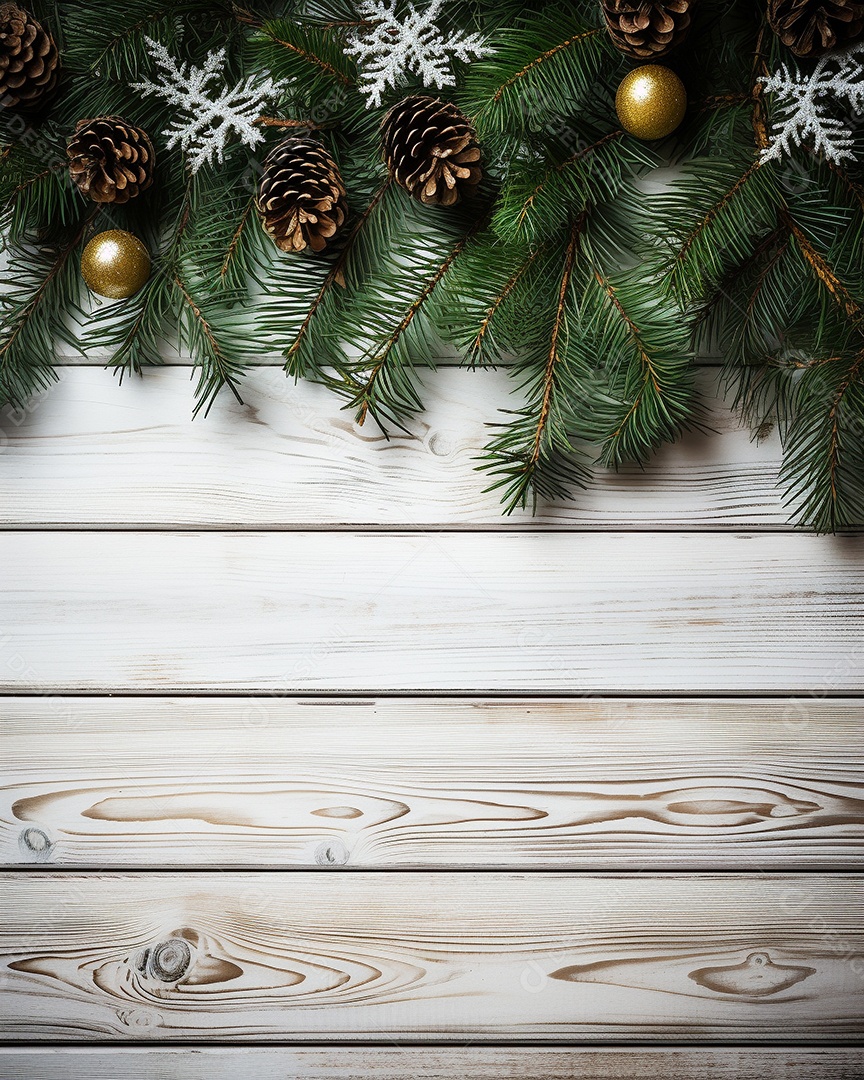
x=553 y=357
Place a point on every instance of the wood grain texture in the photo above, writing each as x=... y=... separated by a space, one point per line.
x=125 y=782
x=432 y=1063
x=366 y=956
x=88 y=451
x=374 y=612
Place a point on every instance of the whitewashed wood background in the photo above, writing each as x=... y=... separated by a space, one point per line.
x=305 y=746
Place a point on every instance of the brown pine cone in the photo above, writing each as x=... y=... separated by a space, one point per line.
x=431 y=150
x=812 y=27
x=110 y=159
x=29 y=60
x=647 y=29
x=301 y=196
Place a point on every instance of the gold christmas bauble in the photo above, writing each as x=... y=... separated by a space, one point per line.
x=650 y=102
x=115 y=264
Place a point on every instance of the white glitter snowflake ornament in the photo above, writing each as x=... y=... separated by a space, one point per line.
x=803 y=104
x=392 y=48
x=208 y=119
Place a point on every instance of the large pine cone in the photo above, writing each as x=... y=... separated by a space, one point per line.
x=29 y=61
x=431 y=150
x=647 y=29
x=812 y=27
x=110 y=159
x=301 y=196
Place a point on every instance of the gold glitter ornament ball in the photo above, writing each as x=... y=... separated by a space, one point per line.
x=115 y=264
x=650 y=102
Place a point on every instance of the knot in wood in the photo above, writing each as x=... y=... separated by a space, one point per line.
x=169 y=960
x=35 y=843
x=331 y=853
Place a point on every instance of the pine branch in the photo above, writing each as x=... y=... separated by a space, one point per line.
x=824 y=460
x=536 y=74
x=43 y=285
x=713 y=213
x=553 y=358
x=648 y=370
x=487 y=300
x=531 y=67
x=823 y=272
x=217 y=368
x=534 y=456
x=35 y=193
x=107 y=39
x=305 y=54
x=478 y=346
x=324 y=77
x=367 y=397
x=541 y=195
x=335 y=276
x=226 y=271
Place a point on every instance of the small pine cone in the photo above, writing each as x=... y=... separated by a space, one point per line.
x=29 y=60
x=812 y=27
x=647 y=29
x=301 y=196
x=110 y=159
x=431 y=150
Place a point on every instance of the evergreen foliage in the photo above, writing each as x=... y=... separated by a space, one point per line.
x=597 y=289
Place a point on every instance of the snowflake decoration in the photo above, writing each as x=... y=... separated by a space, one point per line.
x=205 y=125
x=804 y=101
x=391 y=48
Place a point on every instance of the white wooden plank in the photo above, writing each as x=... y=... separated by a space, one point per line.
x=395 y=783
x=90 y=452
x=376 y=957
x=432 y=1063
x=533 y=611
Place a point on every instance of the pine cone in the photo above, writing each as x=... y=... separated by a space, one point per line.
x=301 y=196
x=812 y=27
x=431 y=150
x=110 y=159
x=29 y=60
x=647 y=29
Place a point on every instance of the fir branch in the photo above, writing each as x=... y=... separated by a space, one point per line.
x=385 y=362
x=554 y=357
x=234 y=243
x=35 y=193
x=217 y=367
x=536 y=76
x=539 y=197
x=824 y=464
x=779 y=251
x=484 y=305
x=713 y=213
x=823 y=272
x=311 y=58
x=42 y=288
x=534 y=455
x=541 y=59
x=107 y=39
x=852 y=186
x=336 y=274
x=717 y=213
x=476 y=347
x=648 y=370
x=721 y=290
x=310 y=47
